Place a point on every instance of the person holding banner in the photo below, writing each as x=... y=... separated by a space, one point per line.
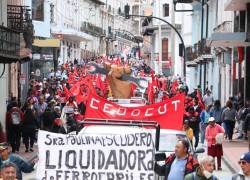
x=179 y=164
x=21 y=164
x=8 y=171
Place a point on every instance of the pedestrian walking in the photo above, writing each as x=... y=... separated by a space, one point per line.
x=194 y=122
x=244 y=163
x=247 y=128
x=204 y=171
x=228 y=118
x=14 y=119
x=240 y=119
x=214 y=148
x=208 y=99
x=179 y=164
x=216 y=111
x=29 y=126
x=40 y=107
x=204 y=116
x=8 y=171
x=21 y=164
x=188 y=130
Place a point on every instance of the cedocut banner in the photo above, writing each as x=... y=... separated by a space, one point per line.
x=168 y=113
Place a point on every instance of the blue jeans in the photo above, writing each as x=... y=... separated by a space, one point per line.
x=203 y=132
x=229 y=127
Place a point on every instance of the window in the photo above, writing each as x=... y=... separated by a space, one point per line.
x=165 y=10
x=38 y=10
x=165 y=49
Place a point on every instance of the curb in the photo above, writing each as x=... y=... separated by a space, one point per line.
x=231 y=166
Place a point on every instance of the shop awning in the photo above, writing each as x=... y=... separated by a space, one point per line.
x=229 y=39
x=46 y=43
x=99 y=2
x=71 y=34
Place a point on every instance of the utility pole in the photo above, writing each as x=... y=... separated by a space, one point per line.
x=183 y=51
x=174 y=40
x=160 y=41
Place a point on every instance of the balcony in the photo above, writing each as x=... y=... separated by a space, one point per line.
x=190 y=54
x=236 y=5
x=18 y=17
x=9 y=45
x=224 y=36
x=99 y=2
x=126 y=36
x=226 y=26
x=92 y=29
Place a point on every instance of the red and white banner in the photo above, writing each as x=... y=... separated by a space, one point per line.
x=168 y=113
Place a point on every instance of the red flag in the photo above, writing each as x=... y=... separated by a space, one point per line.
x=81 y=98
x=66 y=91
x=164 y=85
x=132 y=88
x=99 y=81
x=174 y=87
x=200 y=99
x=75 y=71
x=118 y=61
x=168 y=113
x=240 y=54
x=234 y=71
x=75 y=90
x=150 y=93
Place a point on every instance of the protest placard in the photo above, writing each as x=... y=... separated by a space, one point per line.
x=95 y=157
x=168 y=113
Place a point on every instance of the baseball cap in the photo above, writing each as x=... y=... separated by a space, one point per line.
x=246 y=157
x=211 y=119
x=3 y=146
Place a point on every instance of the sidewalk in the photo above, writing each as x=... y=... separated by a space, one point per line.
x=232 y=152
x=27 y=155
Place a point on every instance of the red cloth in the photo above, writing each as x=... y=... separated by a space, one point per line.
x=150 y=93
x=66 y=91
x=174 y=87
x=201 y=104
x=215 y=150
x=164 y=85
x=75 y=90
x=8 y=115
x=169 y=113
x=240 y=54
x=132 y=88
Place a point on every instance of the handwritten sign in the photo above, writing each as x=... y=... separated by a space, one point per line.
x=95 y=157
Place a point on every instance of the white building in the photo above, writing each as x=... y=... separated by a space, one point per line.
x=4 y=94
x=83 y=25
x=165 y=51
x=209 y=61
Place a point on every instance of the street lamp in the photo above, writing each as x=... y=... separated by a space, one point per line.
x=127 y=16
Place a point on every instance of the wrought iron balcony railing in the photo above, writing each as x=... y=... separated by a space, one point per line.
x=18 y=17
x=9 y=44
x=92 y=29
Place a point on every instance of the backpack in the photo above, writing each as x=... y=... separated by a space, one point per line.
x=194 y=176
x=15 y=118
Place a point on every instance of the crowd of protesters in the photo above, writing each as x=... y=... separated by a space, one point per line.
x=205 y=119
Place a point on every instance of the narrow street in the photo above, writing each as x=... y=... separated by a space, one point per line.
x=120 y=89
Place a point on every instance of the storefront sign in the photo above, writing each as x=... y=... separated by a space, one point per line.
x=95 y=157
